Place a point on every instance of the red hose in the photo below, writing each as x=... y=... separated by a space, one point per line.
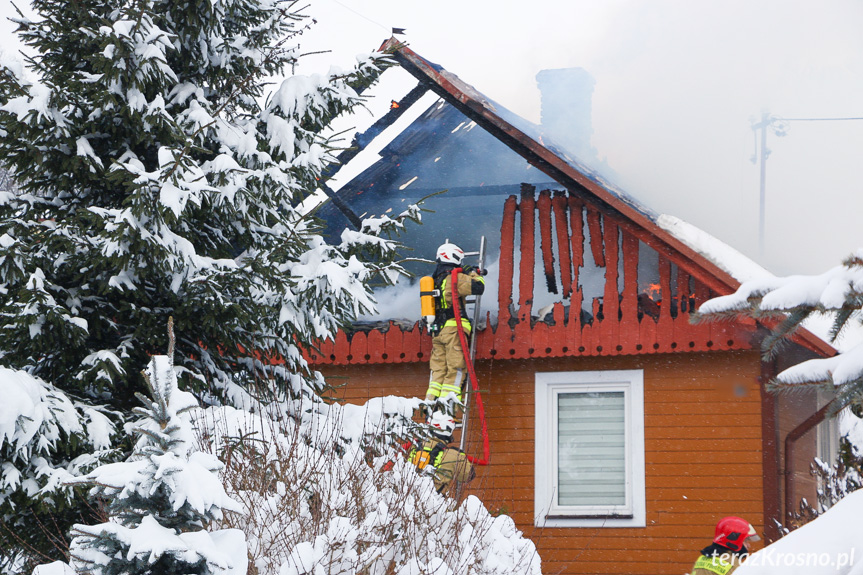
x=471 y=373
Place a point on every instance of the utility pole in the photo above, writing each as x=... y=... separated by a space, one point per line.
x=779 y=125
x=766 y=120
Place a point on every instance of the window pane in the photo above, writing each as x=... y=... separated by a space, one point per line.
x=591 y=466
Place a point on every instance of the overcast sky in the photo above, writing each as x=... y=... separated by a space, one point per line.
x=677 y=82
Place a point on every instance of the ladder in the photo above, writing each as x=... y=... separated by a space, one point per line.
x=476 y=300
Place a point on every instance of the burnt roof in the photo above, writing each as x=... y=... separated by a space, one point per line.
x=526 y=140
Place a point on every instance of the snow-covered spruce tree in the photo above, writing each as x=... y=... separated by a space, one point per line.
x=787 y=302
x=156 y=179
x=162 y=501
x=45 y=440
x=153 y=183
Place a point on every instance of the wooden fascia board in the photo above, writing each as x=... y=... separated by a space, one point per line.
x=447 y=87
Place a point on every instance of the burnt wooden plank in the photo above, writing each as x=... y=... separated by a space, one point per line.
x=610 y=324
x=543 y=208
x=526 y=207
x=594 y=228
x=507 y=248
x=558 y=204
x=629 y=303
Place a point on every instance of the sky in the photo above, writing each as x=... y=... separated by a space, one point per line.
x=677 y=86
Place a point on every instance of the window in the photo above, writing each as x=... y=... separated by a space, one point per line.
x=589 y=460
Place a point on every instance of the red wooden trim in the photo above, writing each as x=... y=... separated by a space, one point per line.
x=630 y=279
x=412 y=344
x=665 y=325
x=342 y=348
x=471 y=103
x=610 y=324
x=394 y=344
x=558 y=204
x=560 y=339
x=525 y=271
x=507 y=249
x=543 y=208
x=611 y=305
x=576 y=219
x=359 y=348
x=376 y=346
x=684 y=294
x=594 y=226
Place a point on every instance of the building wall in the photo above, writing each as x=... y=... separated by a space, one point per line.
x=793 y=409
x=702 y=443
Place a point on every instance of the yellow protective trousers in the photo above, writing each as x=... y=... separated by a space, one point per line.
x=447 y=362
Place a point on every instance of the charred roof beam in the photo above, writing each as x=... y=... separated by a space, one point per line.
x=359 y=143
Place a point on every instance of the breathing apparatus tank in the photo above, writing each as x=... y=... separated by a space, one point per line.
x=428 y=293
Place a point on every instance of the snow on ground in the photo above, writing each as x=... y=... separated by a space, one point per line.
x=830 y=545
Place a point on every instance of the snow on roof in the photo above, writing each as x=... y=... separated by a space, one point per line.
x=721 y=254
x=744 y=269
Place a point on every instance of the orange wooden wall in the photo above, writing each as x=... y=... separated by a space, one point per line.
x=702 y=443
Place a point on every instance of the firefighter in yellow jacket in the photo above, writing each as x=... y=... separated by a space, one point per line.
x=447 y=361
x=729 y=549
x=447 y=463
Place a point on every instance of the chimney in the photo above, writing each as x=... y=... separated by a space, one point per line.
x=567 y=95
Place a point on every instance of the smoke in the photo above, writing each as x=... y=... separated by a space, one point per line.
x=402 y=300
x=676 y=85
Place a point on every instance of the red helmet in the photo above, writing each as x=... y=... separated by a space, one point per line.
x=732 y=532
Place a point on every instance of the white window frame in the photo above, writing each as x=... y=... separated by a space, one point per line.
x=548 y=386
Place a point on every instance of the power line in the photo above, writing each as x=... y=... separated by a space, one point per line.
x=781 y=119
x=361 y=15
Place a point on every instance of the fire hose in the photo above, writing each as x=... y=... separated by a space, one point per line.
x=471 y=373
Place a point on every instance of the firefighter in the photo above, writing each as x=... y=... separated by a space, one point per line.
x=447 y=361
x=729 y=549
x=447 y=463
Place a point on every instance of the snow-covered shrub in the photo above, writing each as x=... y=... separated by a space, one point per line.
x=317 y=502
x=834 y=483
x=162 y=502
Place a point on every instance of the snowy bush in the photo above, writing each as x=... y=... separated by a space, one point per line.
x=163 y=500
x=317 y=502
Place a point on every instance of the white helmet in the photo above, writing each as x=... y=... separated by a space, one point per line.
x=450 y=254
x=442 y=425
